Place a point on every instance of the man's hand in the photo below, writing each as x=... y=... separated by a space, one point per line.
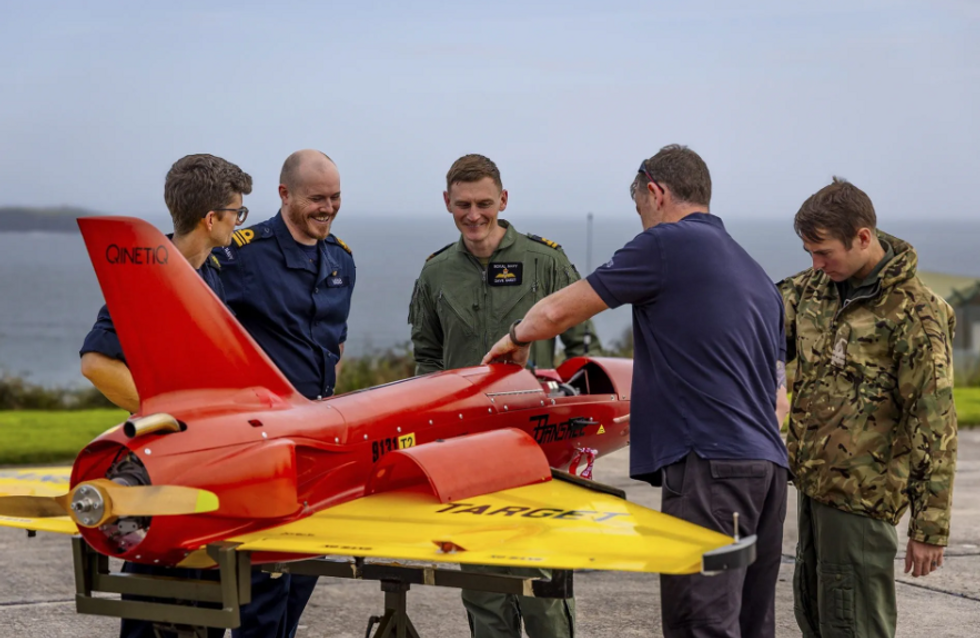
x=922 y=558
x=505 y=351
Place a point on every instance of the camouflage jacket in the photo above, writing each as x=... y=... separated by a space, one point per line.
x=873 y=426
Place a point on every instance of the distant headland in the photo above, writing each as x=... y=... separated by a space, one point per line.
x=54 y=219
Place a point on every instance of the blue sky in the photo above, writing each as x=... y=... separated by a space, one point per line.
x=97 y=99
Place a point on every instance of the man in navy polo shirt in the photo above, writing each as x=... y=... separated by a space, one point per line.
x=709 y=388
x=289 y=282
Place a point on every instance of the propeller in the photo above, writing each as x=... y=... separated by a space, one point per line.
x=94 y=503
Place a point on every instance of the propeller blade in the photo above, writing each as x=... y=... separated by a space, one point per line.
x=34 y=506
x=156 y=500
x=93 y=503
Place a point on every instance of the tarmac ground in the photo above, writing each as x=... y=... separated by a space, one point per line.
x=37 y=587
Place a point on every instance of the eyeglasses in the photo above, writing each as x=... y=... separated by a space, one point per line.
x=634 y=185
x=241 y=212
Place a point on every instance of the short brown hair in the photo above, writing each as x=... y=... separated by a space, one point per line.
x=200 y=183
x=682 y=171
x=837 y=210
x=473 y=168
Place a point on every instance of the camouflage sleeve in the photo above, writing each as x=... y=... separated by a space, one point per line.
x=582 y=338
x=427 y=335
x=790 y=289
x=925 y=382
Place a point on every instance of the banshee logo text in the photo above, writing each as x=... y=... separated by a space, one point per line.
x=547 y=432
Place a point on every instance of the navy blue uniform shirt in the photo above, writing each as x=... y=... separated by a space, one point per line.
x=102 y=338
x=708 y=333
x=294 y=307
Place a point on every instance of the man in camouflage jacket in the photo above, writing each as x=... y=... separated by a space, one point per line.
x=872 y=428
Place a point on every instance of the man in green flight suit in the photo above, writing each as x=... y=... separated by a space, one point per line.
x=465 y=299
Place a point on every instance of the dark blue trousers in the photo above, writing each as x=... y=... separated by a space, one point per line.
x=276 y=607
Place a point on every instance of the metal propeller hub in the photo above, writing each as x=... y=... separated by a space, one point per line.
x=87 y=506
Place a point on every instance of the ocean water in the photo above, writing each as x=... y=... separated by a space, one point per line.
x=49 y=295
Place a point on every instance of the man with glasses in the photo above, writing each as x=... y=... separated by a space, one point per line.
x=289 y=282
x=467 y=295
x=204 y=196
x=708 y=385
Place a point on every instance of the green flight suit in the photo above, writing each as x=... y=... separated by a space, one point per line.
x=459 y=309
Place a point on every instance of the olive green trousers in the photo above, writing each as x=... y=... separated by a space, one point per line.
x=499 y=615
x=844 y=584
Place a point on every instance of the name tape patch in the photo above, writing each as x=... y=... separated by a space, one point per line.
x=505 y=274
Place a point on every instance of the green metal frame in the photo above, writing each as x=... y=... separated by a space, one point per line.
x=231 y=592
x=233 y=589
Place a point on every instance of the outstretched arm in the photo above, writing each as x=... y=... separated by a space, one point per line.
x=548 y=318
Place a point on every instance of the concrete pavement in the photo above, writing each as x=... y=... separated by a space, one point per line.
x=36 y=590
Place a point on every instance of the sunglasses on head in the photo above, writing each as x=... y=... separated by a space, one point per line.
x=634 y=185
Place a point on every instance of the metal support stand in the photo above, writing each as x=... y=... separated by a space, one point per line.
x=190 y=606
x=195 y=605
x=395 y=623
x=396 y=580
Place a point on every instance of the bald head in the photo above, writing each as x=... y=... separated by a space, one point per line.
x=303 y=163
x=309 y=188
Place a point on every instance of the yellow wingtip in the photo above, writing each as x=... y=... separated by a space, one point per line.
x=206 y=502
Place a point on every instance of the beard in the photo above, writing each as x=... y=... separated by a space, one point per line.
x=307 y=223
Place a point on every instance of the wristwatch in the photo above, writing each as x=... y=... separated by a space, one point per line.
x=513 y=336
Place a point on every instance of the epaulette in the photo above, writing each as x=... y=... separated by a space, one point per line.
x=546 y=242
x=439 y=251
x=340 y=242
x=243 y=237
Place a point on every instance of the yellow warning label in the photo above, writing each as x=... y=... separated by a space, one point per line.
x=602 y=430
x=406 y=441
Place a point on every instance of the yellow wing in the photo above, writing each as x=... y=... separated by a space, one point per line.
x=37 y=481
x=553 y=524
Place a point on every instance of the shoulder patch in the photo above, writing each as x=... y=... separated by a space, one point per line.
x=546 y=242
x=340 y=242
x=215 y=263
x=243 y=237
x=439 y=251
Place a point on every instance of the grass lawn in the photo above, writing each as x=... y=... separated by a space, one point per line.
x=35 y=436
x=967 y=406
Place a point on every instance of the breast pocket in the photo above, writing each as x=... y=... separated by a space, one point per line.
x=457 y=318
x=861 y=369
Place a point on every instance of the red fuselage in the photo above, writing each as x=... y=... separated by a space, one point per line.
x=271 y=461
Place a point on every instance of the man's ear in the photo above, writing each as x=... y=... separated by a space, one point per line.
x=503 y=200
x=445 y=198
x=283 y=193
x=655 y=191
x=865 y=235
